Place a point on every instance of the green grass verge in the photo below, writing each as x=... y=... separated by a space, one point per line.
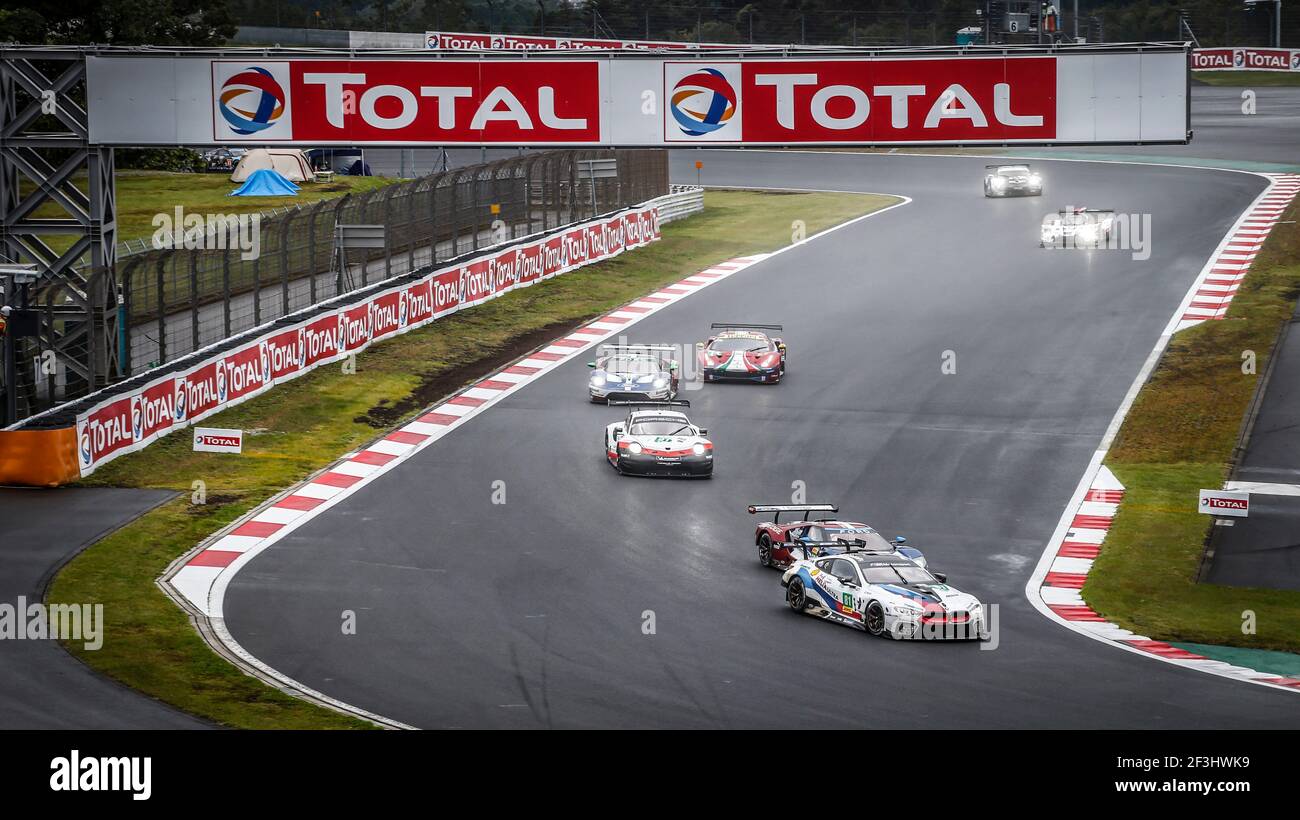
x=141 y=195
x=1179 y=438
x=302 y=426
x=1248 y=79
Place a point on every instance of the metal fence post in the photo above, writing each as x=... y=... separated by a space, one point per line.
x=287 y=222
x=194 y=300
x=162 y=309
x=225 y=290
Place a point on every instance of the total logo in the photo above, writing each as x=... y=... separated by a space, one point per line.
x=703 y=103
x=83 y=445
x=264 y=359
x=221 y=384
x=251 y=101
x=1239 y=58
x=1295 y=61
x=137 y=419
x=182 y=409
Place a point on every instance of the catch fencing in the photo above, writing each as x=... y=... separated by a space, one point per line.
x=207 y=286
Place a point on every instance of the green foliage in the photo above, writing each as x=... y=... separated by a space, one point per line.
x=119 y=22
x=158 y=159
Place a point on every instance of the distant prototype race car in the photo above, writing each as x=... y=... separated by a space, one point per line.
x=883 y=595
x=1078 y=227
x=780 y=545
x=1011 y=180
x=655 y=440
x=631 y=372
x=742 y=353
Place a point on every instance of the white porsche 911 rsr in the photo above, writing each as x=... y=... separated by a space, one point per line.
x=656 y=441
x=884 y=595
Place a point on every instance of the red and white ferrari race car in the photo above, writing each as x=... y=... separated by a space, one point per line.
x=742 y=353
x=780 y=545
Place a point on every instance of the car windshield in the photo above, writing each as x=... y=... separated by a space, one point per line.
x=873 y=539
x=897 y=574
x=1014 y=170
x=734 y=343
x=660 y=427
x=632 y=364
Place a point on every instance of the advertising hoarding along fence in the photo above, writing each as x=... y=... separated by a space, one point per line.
x=1126 y=96
x=132 y=419
x=466 y=41
x=1245 y=59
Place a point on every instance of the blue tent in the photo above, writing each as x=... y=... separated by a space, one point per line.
x=266 y=182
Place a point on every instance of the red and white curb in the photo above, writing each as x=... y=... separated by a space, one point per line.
x=1219 y=281
x=1061 y=586
x=1055 y=587
x=201 y=579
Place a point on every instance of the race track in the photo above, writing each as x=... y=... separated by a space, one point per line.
x=529 y=614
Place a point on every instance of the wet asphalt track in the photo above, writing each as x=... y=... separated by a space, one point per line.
x=530 y=614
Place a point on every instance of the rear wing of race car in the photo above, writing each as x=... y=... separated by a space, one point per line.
x=650 y=403
x=744 y=326
x=1069 y=211
x=632 y=348
x=818 y=548
x=1024 y=165
x=780 y=508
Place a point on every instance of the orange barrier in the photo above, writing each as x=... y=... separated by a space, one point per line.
x=39 y=458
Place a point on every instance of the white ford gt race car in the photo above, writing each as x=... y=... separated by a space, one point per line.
x=883 y=594
x=656 y=441
x=1011 y=180
x=1078 y=228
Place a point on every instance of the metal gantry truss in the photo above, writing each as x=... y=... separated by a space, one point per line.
x=55 y=187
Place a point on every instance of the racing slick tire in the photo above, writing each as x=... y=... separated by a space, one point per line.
x=765 y=550
x=873 y=620
x=796 y=596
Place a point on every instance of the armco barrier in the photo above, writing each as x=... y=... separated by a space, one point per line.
x=1245 y=58
x=134 y=413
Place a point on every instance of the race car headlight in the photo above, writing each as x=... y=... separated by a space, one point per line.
x=661 y=382
x=597 y=380
x=1035 y=179
x=634 y=448
x=907 y=612
x=999 y=182
x=644 y=379
x=698 y=449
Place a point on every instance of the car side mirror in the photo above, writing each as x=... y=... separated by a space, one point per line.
x=672 y=365
x=899 y=541
x=591 y=364
x=848 y=582
x=704 y=431
x=942 y=577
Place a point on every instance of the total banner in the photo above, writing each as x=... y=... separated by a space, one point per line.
x=1245 y=59
x=638 y=99
x=125 y=422
x=463 y=41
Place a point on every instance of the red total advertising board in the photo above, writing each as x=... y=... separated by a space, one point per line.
x=407 y=101
x=1266 y=59
x=1205 y=59
x=462 y=41
x=122 y=423
x=856 y=101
